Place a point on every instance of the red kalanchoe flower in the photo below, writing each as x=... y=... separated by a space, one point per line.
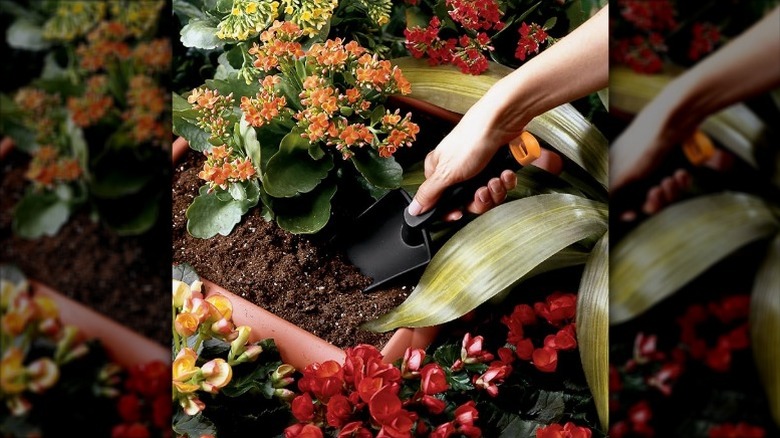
x=476 y=14
x=132 y=430
x=645 y=349
x=545 y=359
x=647 y=15
x=739 y=430
x=469 y=56
x=531 y=37
x=705 y=37
x=718 y=359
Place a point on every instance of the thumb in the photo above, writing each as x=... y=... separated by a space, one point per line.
x=427 y=195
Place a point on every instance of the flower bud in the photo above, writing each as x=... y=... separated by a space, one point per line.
x=284 y=394
x=238 y=345
x=250 y=354
x=43 y=374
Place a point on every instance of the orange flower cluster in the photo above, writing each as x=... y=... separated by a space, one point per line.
x=333 y=55
x=212 y=108
x=382 y=76
x=222 y=167
x=279 y=46
x=154 y=56
x=105 y=43
x=267 y=105
x=47 y=168
x=86 y=110
x=38 y=107
x=147 y=102
x=401 y=131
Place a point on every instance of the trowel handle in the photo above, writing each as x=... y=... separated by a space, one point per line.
x=521 y=151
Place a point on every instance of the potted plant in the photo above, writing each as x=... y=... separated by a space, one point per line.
x=66 y=366
x=239 y=62
x=89 y=129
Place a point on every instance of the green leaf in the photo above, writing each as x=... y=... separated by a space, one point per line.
x=306 y=214
x=376 y=114
x=182 y=108
x=234 y=85
x=39 y=214
x=184 y=8
x=78 y=145
x=593 y=326
x=193 y=425
x=292 y=170
x=673 y=247
x=765 y=325
x=251 y=145
x=200 y=34
x=384 y=173
x=207 y=216
x=492 y=253
x=316 y=151
x=550 y=23
x=142 y=219
x=25 y=35
x=197 y=138
x=237 y=191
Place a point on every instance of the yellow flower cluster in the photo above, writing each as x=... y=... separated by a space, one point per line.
x=378 y=10
x=139 y=17
x=310 y=15
x=196 y=319
x=73 y=19
x=26 y=320
x=247 y=18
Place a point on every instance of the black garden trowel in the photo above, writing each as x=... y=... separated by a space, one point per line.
x=385 y=241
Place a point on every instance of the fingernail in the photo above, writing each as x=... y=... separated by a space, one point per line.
x=457 y=216
x=414 y=208
x=483 y=196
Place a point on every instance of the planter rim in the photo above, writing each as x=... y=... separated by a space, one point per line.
x=267 y=325
x=122 y=344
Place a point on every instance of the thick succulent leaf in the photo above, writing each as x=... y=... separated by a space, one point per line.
x=307 y=215
x=292 y=170
x=673 y=247
x=39 y=214
x=492 y=253
x=384 y=173
x=765 y=325
x=736 y=127
x=563 y=127
x=593 y=326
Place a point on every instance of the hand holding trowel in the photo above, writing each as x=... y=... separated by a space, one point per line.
x=386 y=241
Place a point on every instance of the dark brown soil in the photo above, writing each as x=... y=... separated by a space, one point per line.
x=126 y=278
x=295 y=277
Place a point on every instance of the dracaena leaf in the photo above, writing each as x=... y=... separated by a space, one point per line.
x=492 y=253
x=593 y=326
x=673 y=247
x=765 y=325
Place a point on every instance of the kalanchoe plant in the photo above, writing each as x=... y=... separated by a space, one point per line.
x=221 y=380
x=462 y=32
x=95 y=121
x=52 y=379
x=312 y=121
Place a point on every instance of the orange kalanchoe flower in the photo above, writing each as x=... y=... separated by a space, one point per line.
x=154 y=55
x=47 y=168
x=223 y=167
x=104 y=44
x=88 y=109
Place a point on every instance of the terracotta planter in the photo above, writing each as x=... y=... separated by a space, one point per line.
x=123 y=345
x=6 y=145
x=299 y=347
